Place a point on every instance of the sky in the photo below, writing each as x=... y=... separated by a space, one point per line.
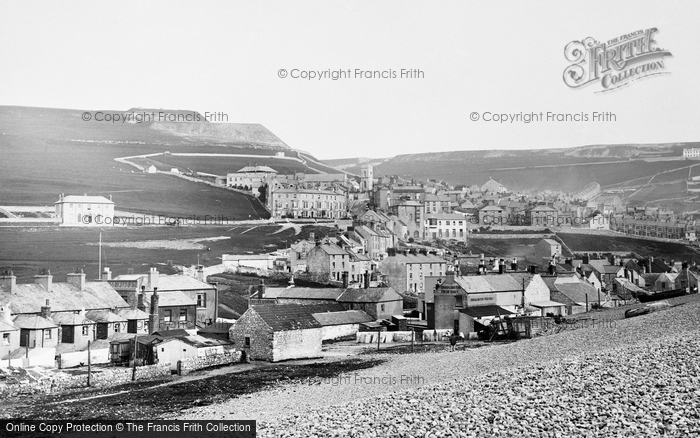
x=476 y=57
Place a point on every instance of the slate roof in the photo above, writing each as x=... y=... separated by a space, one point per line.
x=302 y=293
x=286 y=317
x=340 y=318
x=371 y=295
x=482 y=311
x=577 y=292
x=197 y=341
x=77 y=199
x=5 y=327
x=132 y=314
x=169 y=282
x=489 y=283
x=33 y=322
x=322 y=308
x=169 y=299
x=250 y=169
x=64 y=297
x=170 y=333
x=65 y=318
x=105 y=316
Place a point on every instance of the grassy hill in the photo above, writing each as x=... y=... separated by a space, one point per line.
x=659 y=169
x=49 y=151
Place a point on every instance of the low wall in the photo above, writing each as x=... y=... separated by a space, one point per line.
x=103 y=377
x=405 y=336
x=80 y=358
x=198 y=363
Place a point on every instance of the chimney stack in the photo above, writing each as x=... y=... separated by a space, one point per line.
x=586 y=259
x=8 y=281
x=501 y=266
x=153 y=279
x=45 y=279
x=153 y=318
x=6 y=315
x=106 y=274
x=345 y=279
x=46 y=310
x=514 y=265
x=312 y=236
x=261 y=289
x=139 y=299
x=130 y=271
x=200 y=273
x=367 y=279
x=77 y=279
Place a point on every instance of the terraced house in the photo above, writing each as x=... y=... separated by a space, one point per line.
x=451 y=226
x=307 y=203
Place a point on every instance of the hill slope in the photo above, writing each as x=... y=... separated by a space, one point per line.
x=47 y=151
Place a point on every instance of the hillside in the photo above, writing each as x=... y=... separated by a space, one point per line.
x=47 y=151
x=658 y=169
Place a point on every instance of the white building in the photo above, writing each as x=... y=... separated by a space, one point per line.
x=691 y=154
x=308 y=203
x=448 y=226
x=84 y=210
x=250 y=177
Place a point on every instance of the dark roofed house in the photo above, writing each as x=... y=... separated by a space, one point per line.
x=108 y=323
x=275 y=333
x=378 y=302
x=342 y=324
x=76 y=328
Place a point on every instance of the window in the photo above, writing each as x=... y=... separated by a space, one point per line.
x=183 y=314
x=116 y=327
x=168 y=316
x=382 y=307
x=247 y=341
x=85 y=330
x=47 y=334
x=458 y=301
x=201 y=300
x=5 y=339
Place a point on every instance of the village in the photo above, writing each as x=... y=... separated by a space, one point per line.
x=394 y=268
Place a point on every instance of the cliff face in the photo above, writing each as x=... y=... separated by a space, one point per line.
x=253 y=134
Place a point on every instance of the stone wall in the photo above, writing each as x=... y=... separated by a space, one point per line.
x=102 y=377
x=198 y=363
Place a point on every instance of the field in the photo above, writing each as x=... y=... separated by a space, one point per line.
x=27 y=251
x=643 y=247
x=221 y=165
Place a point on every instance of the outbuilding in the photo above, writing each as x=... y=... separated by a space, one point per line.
x=278 y=332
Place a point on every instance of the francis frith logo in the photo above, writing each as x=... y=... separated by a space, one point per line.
x=615 y=63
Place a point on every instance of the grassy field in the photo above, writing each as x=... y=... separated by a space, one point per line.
x=644 y=247
x=222 y=165
x=523 y=248
x=50 y=151
x=27 y=251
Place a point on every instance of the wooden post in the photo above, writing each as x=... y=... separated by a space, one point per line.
x=89 y=364
x=133 y=370
x=413 y=338
x=379 y=336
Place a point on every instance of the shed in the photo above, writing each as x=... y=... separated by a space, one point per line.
x=172 y=350
x=279 y=332
x=341 y=324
